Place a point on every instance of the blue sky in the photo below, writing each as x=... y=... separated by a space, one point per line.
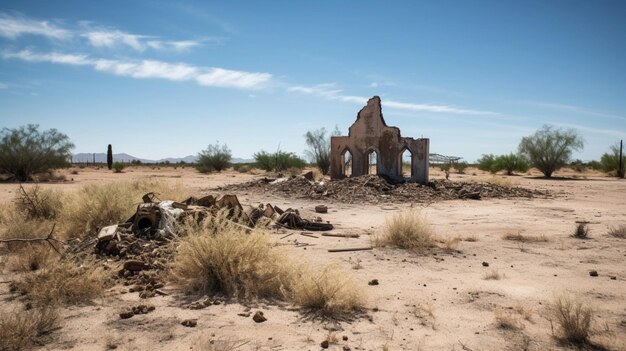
x=158 y=79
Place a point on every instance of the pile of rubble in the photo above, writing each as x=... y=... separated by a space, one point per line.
x=142 y=242
x=375 y=189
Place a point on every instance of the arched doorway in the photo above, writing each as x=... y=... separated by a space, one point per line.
x=405 y=163
x=372 y=161
x=346 y=163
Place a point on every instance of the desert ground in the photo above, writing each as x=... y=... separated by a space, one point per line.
x=449 y=299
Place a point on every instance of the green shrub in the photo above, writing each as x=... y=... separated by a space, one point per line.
x=278 y=161
x=319 y=148
x=550 y=149
x=26 y=151
x=214 y=158
x=509 y=163
x=118 y=167
x=460 y=167
x=610 y=161
x=485 y=163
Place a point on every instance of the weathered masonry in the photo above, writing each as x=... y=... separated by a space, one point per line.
x=372 y=147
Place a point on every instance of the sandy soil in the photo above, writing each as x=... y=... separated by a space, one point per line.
x=423 y=302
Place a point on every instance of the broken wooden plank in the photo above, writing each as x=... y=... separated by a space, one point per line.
x=351 y=249
x=309 y=235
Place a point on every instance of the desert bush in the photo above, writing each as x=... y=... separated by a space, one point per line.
x=118 y=167
x=26 y=151
x=524 y=238
x=493 y=275
x=32 y=257
x=573 y=318
x=506 y=319
x=66 y=282
x=500 y=181
x=223 y=259
x=485 y=163
x=407 y=230
x=581 y=231
x=509 y=163
x=444 y=167
x=550 y=149
x=460 y=167
x=38 y=203
x=214 y=158
x=241 y=168
x=18 y=329
x=610 y=161
x=278 y=161
x=97 y=205
x=15 y=223
x=618 y=232
x=319 y=148
x=328 y=292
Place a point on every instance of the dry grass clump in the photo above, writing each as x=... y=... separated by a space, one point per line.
x=226 y=260
x=19 y=328
x=618 y=232
x=16 y=224
x=493 y=275
x=31 y=257
x=38 y=203
x=98 y=205
x=426 y=315
x=525 y=238
x=66 y=282
x=329 y=292
x=407 y=230
x=500 y=181
x=506 y=319
x=573 y=318
x=581 y=231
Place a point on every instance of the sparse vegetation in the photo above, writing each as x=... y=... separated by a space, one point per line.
x=493 y=275
x=507 y=319
x=407 y=230
x=618 y=231
x=509 y=163
x=214 y=158
x=18 y=329
x=485 y=163
x=66 y=282
x=329 y=292
x=425 y=313
x=581 y=231
x=25 y=151
x=278 y=161
x=38 y=203
x=610 y=161
x=573 y=318
x=460 y=167
x=319 y=148
x=525 y=238
x=118 y=167
x=550 y=149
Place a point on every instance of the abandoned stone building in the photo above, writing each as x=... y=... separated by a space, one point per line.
x=372 y=147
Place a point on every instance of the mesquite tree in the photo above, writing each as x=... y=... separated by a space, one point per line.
x=110 y=157
x=550 y=149
x=25 y=151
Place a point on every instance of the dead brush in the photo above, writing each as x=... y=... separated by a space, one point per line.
x=212 y=344
x=493 y=275
x=525 y=238
x=328 y=292
x=66 y=281
x=618 y=232
x=216 y=256
x=425 y=313
x=506 y=319
x=573 y=318
x=407 y=230
x=98 y=205
x=581 y=231
x=32 y=257
x=38 y=203
x=18 y=329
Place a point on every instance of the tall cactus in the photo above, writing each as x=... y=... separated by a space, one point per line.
x=110 y=157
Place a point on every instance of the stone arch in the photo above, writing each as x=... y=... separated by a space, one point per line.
x=347 y=162
x=372 y=160
x=402 y=160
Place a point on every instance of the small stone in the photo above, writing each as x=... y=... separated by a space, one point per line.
x=135 y=265
x=127 y=314
x=485 y=264
x=346 y=348
x=375 y=309
x=244 y=314
x=324 y=344
x=321 y=209
x=189 y=323
x=259 y=317
x=373 y=282
x=344 y=338
x=613 y=277
x=593 y=273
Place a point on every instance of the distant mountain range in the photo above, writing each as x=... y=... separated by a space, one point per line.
x=102 y=158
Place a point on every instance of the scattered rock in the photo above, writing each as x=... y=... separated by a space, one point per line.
x=485 y=264
x=259 y=317
x=135 y=265
x=126 y=315
x=344 y=338
x=373 y=282
x=321 y=209
x=308 y=175
x=593 y=273
x=190 y=323
x=324 y=344
x=613 y=277
x=244 y=314
x=346 y=348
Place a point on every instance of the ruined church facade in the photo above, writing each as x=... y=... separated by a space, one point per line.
x=369 y=135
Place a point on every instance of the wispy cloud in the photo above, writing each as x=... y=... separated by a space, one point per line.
x=328 y=91
x=574 y=108
x=138 y=42
x=606 y=132
x=206 y=76
x=13 y=27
